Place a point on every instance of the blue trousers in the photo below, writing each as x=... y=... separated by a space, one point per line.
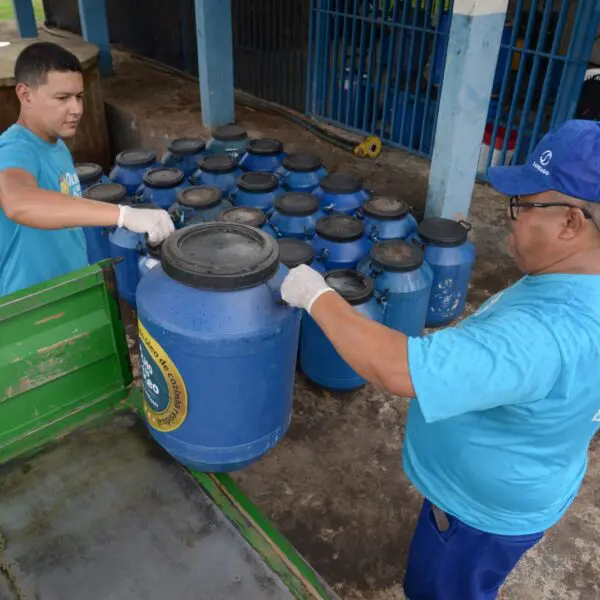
x=459 y=562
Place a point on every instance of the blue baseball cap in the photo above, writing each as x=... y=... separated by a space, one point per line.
x=566 y=160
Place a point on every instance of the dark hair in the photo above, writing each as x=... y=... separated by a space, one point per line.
x=37 y=60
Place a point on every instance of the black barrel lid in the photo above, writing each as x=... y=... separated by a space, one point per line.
x=88 y=172
x=396 y=255
x=230 y=133
x=246 y=215
x=220 y=256
x=113 y=193
x=302 y=162
x=293 y=252
x=340 y=228
x=341 y=183
x=385 y=207
x=218 y=163
x=353 y=286
x=186 y=145
x=135 y=158
x=200 y=196
x=443 y=232
x=265 y=147
x=297 y=204
x=163 y=177
x=258 y=182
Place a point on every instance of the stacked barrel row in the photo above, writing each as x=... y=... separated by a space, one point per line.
x=216 y=340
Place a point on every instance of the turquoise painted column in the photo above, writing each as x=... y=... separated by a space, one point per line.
x=94 y=26
x=215 y=61
x=25 y=18
x=473 y=48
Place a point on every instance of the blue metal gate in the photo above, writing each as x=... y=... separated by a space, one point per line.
x=546 y=47
x=376 y=66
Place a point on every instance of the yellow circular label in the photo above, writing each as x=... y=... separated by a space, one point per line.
x=165 y=396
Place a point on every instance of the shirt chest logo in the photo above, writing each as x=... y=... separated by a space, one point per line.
x=69 y=184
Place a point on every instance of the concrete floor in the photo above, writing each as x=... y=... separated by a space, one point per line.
x=335 y=486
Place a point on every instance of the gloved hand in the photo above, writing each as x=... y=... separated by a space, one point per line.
x=302 y=286
x=156 y=223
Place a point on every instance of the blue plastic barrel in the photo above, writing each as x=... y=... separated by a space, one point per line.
x=294 y=252
x=264 y=155
x=219 y=170
x=296 y=215
x=247 y=215
x=423 y=129
x=319 y=360
x=184 y=154
x=402 y=282
x=387 y=218
x=340 y=242
x=301 y=172
x=127 y=246
x=218 y=347
x=451 y=256
x=231 y=139
x=258 y=190
x=341 y=192
x=349 y=100
x=130 y=166
x=160 y=186
x=149 y=259
x=198 y=204
x=97 y=238
x=90 y=174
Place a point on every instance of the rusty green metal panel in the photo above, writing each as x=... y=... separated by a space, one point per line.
x=63 y=357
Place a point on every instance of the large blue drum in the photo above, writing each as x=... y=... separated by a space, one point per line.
x=247 y=215
x=90 y=174
x=218 y=347
x=388 y=218
x=184 y=154
x=451 y=256
x=340 y=242
x=130 y=166
x=402 y=282
x=97 y=238
x=296 y=215
x=319 y=360
x=258 y=190
x=231 y=139
x=264 y=155
x=198 y=204
x=219 y=170
x=341 y=192
x=301 y=172
x=160 y=186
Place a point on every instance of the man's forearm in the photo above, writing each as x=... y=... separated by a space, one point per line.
x=376 y=353
x=27 y=204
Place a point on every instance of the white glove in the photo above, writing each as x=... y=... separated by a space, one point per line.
x=302 y=286
x=156 y=223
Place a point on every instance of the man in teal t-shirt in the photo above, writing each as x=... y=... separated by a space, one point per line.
x=41 y=209
x=505 y=403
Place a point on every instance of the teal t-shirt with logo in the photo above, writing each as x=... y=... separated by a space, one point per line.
x=30 y=256
x=507 y=405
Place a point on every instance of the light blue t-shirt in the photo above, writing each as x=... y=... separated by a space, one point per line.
x=507 y=404
x=30 y=256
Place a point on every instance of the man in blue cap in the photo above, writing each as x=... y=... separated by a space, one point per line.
x=505 y=403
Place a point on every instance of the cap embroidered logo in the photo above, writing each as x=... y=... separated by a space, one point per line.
x=545 y=158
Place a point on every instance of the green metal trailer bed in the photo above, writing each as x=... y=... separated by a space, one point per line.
x=90 y=506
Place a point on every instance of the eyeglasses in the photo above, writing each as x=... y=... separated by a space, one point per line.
x=515 y=205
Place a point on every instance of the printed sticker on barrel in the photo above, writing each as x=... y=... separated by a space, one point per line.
x=165 y=395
